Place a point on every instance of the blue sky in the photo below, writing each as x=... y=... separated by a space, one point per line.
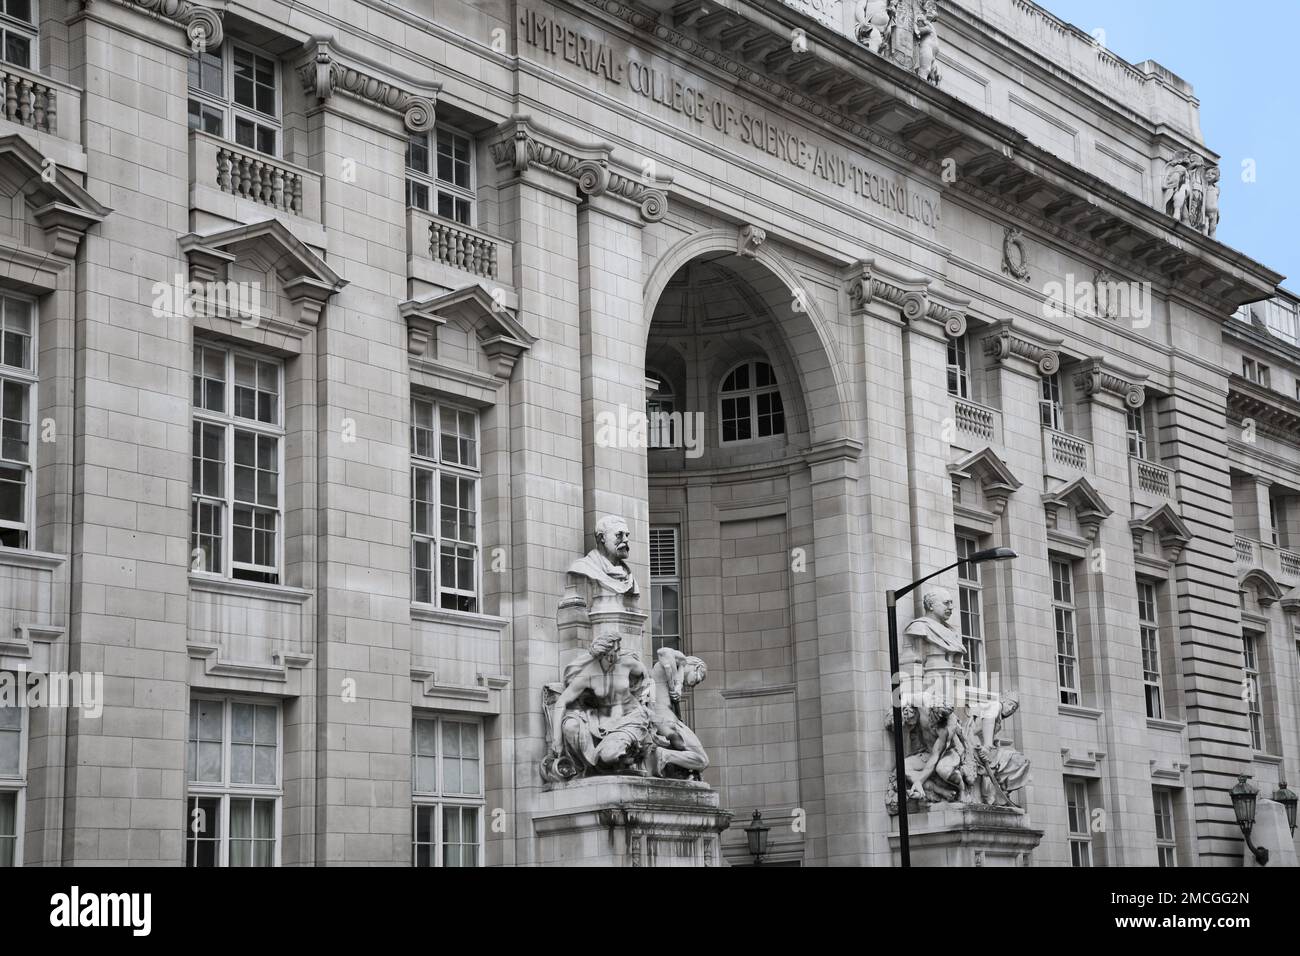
x=1241 y=59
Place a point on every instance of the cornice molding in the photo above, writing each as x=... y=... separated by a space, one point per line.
x=1273 y=413
x=326 y=69
x=521 y=143
x=1096 y=378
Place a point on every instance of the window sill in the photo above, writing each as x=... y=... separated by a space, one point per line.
x=437 y=615
x=1160 y=723
x=281 y=593
x=27 y=558
x=1260 y=756
x=1078 y=710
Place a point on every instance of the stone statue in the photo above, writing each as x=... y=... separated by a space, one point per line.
x=931 y=635
x=599 y=718
x=603 y=571
x=1189 y=192
x=926 y=62
x=608 y=714
x=877 y=21
x=1211 y=201
x=1173 y=191
x=938 y=758
x=1005 y=769
x=679 y=752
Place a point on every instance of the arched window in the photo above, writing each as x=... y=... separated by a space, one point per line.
x=750 y=403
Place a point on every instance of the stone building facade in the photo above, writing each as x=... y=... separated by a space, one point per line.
x=326 y=327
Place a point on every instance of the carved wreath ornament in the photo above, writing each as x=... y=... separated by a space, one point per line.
x=1015 y=261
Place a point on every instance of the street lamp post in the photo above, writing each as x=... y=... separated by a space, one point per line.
x=891 y=602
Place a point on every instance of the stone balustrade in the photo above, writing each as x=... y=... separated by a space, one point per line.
x=1149 y=483
x=978 y=422
x=40 y=103
x=460 y=247
x=254 y=177
x=1065 y=455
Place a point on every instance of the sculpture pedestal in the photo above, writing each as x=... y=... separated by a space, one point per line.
x=960 y=834
x=629 y=821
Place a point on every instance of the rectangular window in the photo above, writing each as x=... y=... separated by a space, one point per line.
x=1166 y=841
x=447 y=792
x=17 y=404
x=660 y=429
x=1150 y=630
x=236 y=520
x=235 y=93
x=1077 y=822
x=445 y=473
x=1251 y=689
x=1274 y=525
x=440 y=174
x=13 y=778
x=1137 y=433
x=18 y=33
x=233 y=752
x=958 y=368
x=665 y=589
x=1050 y=410
x=970 y=597
x=1067 y=649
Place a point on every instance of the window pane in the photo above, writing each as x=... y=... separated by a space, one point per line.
x=203 y=831
x=18 y=50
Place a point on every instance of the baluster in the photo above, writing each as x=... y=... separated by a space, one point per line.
x=277 y=188
x=296 y=205
x=462 y=253
x=245 y=177
x=492 y=260
x=441 y=254
x=223 y=170
x=11 y=96
x=51 y=113
x=25 y=102
x=476 y=256
x=38 y=114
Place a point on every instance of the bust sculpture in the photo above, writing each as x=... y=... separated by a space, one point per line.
x=931 y=636
x=603 y=571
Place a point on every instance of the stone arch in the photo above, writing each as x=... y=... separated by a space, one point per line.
x=822 y=378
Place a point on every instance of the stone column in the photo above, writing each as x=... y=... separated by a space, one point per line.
x=538 y=214
x=1026 y=637
x=131 y=427
x=1111 y=584
x=612 y=339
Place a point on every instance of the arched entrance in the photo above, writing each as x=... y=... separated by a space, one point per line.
x=749 y=530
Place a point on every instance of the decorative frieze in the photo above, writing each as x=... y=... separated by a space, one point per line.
x=594 y=173
x=1096 y=378
x=324 y=72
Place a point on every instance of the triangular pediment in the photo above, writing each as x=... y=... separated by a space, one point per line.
x=1081 y=496
x=270 y=241
x=986 y=468
x=1169 y=529
x=299 y=280
x=39 y=198
x=499 y=334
